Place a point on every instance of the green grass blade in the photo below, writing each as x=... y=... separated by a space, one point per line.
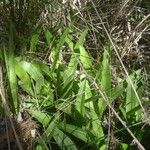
x=10 y=66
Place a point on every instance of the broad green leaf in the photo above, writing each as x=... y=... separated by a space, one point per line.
x=97 y=69
x=70 y=43
x=10 y=66
x=46 y=71
x=133 y=111
x=103 y=147
x=43 y=67
x=81 y=40
x=34 y=40
x=88 y=94
x=75 y=131
x=50 y=129
x=96 y=125
x=131 y=99
x=25 y=81
x=66 y=107
x=42 y=117
x=124 y=146
x=49 y=37
x=106 y=72
x=140 y=91
x=112 y=95
x=72 y=67
x=123 y=112
x=33 y=71
x=85 y=58
x=116 y=91
x=35 y=74
x=105 y=77
x=80 y=100
x=68 y=86
x=56 y=52
x=63 y=141
x=69 y=76
x=41 y=147
x=52 y=125
x=92 y=99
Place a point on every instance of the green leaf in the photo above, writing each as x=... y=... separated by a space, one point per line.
x=80 y=100
x=52 y=125
x=75 y=131
x=72 y=67
x=68 y=86
x=70 y=43
x=131 y=99
x=81 y=40
x=106 y=72
x=69 y=76
x=34 y=40
x=25 y=81
x=96 y=125
x=85 y=58
x=105 y=78
x=116 y=91
x=56 y=52
x=112 y=95
x=10 y=63
x=42 y=117
x=103 y=147
x=124 y=146
x=41 y=147
x=123 y=112
x=35 y=74
x=63 y=141
x=49 y=37
x=46 y=71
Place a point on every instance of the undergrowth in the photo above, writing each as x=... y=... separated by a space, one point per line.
x=75 y=75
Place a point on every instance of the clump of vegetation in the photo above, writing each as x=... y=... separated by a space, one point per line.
x=75 y=78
